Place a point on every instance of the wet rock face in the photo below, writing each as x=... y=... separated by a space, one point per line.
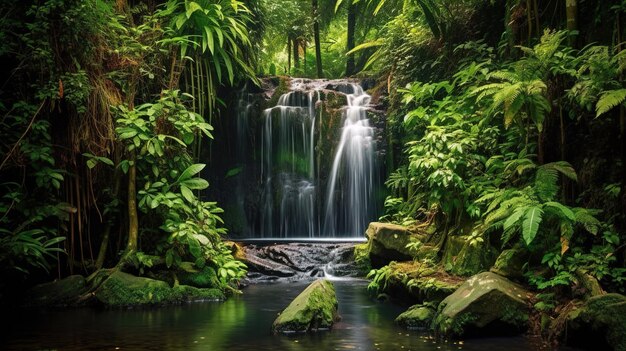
x=298 y=261
x=314 y=309
x=600 y=324
x=486 y=304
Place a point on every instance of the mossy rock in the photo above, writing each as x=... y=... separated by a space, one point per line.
x=314 y=309
x=464 y=258
x=486 y=304
x=205 y=278
x=417 y=317
x=510 y=262
x=122 y=289
x=600 y=324
x=427 y=283
x=387 y=242
x=61 y=292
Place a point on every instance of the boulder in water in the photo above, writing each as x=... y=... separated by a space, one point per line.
x=486 y=304
x=417 y=317
x=600 y=324
x=314 y=309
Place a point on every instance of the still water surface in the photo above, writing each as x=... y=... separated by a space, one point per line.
x=241 y=323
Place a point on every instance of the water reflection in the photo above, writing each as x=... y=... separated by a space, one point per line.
x=241 y=323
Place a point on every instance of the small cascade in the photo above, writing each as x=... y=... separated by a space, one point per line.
x=349 y=208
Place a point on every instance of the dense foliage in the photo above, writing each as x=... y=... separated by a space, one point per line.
x=102 y=129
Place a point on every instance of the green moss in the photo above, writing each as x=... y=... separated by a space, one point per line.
x=122 y=289
x=464 y=258
x=206 y=278
x=510 y=262
x=416 y=317
x=314 y=309
x=483 y=299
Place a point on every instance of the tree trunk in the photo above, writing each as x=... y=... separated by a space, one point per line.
x=296 y=53
x=133 y=223
x=117 y=181
x=288 y=55
x=316 y=36
x=351 y=28
x=571 y=12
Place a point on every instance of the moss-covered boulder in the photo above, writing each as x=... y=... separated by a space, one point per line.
x=61 y=292
x=510 y=262
x=417 y=317
x=466 y=257
x=600 y=324
x=122 y=289
x=314 y=309
x=387 y=242
x=486 y=304
x=415 y=282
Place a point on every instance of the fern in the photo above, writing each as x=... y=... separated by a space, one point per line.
x=609 y=100
x=530 y=225
x=546 y=186
x=584 y=217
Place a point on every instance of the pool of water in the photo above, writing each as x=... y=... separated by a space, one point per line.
x=241 y=323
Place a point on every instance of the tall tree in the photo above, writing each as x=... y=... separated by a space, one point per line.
x=316 y=38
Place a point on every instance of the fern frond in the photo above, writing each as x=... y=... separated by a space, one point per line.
x=499 y=214
x=530 y=226
x=609 y=100
x=565 y=168
x=514 y=218
x=560 y=210
x=546 y=186
x=585 y=217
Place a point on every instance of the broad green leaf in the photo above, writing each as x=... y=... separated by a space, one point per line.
x=530 y=226
x=195 y=183
x=187 y=194
x=192 y=7
x=191 y=171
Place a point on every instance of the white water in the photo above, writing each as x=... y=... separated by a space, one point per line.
x=289 y=181
x=349 y=208
x=296 y=200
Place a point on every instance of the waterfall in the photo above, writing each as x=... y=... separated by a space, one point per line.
x=316 y=170
x=350 y=208
x=288 y=167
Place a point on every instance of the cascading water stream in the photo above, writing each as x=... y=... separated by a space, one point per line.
x=288 y=167
x=350 y=208
x=317 y=169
